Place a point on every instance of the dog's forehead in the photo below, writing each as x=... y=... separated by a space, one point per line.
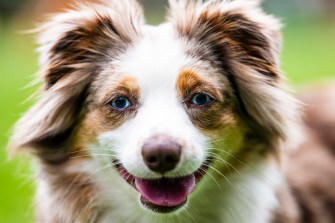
x=156 y=60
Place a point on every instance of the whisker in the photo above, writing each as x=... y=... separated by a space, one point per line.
x=193 y=207
x=126 y=178
x=97 y=171
x=221 y=174
x=218 y=158
x=240 y=161
x=102 y=168
x=83 y=150
x=189 y=215
x=219 y=140
x=84 y=181
x=109 y=155
x=221 y=150
x=212 y=178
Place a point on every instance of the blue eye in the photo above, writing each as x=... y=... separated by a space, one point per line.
x=120 y=103
x=201 y=99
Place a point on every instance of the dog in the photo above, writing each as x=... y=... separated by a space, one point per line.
x=187 y=121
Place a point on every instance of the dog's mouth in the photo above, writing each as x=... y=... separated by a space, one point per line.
x=166 y=194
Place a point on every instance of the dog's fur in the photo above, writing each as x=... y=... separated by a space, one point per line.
x=248 y=135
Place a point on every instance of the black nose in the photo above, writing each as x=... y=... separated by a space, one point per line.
x=161 y=154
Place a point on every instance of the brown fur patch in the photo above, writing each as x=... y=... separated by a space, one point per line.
x=311 y=176
x=320 y=107
x=189 y=82
x=74 y=189
x=100 y=117
x=310 y=168
x=231 y=36
x=78 y=47
x=216 y=120
x=106 y=117
x=207 y=117
x=127 y=86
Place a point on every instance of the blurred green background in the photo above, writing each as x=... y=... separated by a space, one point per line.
x=308 y=57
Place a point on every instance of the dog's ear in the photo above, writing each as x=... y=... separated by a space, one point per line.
x=74 y=46
x=244 y=42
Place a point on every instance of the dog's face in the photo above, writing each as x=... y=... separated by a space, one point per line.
x=154 y=115
x=161 y=105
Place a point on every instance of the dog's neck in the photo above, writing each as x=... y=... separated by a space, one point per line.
x=249 y=196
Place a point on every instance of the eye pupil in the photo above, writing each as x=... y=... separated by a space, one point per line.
x=120 y=103
x=201 y=99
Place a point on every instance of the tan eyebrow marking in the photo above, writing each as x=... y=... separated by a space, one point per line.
x=187 y=82
x=190 y=82
x=129 y=85
x=126 y=86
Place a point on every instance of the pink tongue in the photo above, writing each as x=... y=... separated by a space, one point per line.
x=166 y=192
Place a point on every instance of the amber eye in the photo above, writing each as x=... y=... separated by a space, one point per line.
x=120 y=103
x=201 y=99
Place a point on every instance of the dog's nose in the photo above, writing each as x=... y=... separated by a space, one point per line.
x=161 y=154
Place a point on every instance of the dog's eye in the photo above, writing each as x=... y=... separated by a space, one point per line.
x=201 y=99
x=120 y=103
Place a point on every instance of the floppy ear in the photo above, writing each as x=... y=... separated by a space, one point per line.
x=244 y=43
x=74 y=47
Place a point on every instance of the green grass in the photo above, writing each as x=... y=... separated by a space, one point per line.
x=18 y=63
x=309 y=51
x=308 y=56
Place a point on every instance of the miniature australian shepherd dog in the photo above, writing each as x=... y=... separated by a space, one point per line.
x=188 y=121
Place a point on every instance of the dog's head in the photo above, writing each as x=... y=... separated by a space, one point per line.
x=164 y=104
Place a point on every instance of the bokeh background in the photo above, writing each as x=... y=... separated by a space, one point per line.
x=308 y=58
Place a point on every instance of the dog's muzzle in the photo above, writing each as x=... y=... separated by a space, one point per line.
x=162 y=154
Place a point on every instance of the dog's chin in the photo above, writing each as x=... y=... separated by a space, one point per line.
x=166 y=194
